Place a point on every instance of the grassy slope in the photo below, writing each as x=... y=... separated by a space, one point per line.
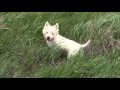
x=24 y=53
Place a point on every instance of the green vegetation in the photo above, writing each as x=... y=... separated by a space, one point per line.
x=25 y=54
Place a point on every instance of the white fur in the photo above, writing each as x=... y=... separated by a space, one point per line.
x=61 y=42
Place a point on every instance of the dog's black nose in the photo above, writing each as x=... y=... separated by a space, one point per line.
x=48 y=38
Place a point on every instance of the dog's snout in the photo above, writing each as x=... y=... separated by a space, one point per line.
x=48 y=38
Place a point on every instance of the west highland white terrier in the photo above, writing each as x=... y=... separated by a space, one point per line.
x=51 y=34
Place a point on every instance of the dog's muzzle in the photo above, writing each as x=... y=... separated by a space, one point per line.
x=48 y=38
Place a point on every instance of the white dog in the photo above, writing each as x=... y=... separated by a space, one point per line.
x=51 y=34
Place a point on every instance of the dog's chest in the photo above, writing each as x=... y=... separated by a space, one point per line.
x=49 y=43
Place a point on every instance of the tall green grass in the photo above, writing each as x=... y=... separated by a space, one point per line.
x=25 y=54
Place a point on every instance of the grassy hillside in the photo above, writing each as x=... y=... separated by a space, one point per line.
x=24 y=52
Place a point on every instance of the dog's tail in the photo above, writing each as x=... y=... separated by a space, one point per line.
x=86 y=44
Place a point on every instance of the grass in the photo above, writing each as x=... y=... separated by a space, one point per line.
x=24 y=52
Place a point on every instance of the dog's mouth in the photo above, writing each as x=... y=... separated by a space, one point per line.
x=49 y=39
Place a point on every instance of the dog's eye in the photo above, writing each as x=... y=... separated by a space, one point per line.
x=46 y=32
x=52 y=33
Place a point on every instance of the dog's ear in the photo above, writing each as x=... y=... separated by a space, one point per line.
x=56 y=26
x=47 y=24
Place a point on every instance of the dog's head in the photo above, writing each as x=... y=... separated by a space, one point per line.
x=50 y=32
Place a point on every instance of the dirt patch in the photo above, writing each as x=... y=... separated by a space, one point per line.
x=2 y=23
x=103 y=43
